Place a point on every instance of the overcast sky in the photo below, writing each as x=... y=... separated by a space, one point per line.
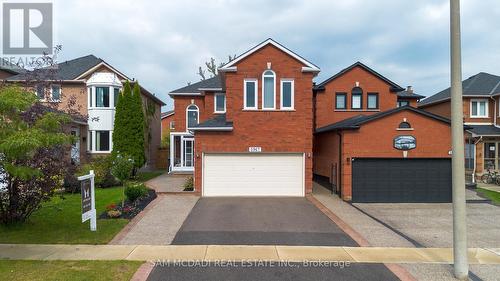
x=162 y=43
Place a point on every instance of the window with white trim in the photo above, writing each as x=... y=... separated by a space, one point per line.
x=55 y=91
x=268 y=90
x=192 y=113
x=287 y=94
x=479 y=108
x=101 y=96
x=219 y=103
x=357 y=98
x=250 y=94
x=102 y=141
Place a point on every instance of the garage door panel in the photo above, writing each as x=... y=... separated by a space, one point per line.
x=401 y=180
x=253 y=175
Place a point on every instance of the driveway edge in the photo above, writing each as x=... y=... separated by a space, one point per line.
x=398 y=270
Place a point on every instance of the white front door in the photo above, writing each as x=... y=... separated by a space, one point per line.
x=253 y=174
x=75 y=147
x=188 y=148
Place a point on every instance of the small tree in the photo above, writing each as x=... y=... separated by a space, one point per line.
x=128 y=134
x=32 y=146
x=122 y=170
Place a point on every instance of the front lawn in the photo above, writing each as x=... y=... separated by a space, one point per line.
x=492 y=195
x=68 y=270
x=59 y=222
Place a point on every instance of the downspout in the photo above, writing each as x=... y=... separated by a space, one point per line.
x=340 y=166
x=495 y=112
x=475 y=149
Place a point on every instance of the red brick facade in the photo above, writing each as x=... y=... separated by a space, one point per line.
x=275 y=130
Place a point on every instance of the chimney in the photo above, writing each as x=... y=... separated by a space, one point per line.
x=409 y=89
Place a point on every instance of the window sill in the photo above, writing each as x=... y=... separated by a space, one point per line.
x=479 y=117
x=404 y=129
x=269 y=110
x=102 y=108
x=219 y=112
x=50 y=101
x=357 y=110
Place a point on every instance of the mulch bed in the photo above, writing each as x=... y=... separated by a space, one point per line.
x=131 y=208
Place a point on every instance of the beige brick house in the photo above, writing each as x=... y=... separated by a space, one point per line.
x=87 y=88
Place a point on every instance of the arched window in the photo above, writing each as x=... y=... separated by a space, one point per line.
x=268 y=90
x=357 y=98
x=404 y=125
x=192 y=113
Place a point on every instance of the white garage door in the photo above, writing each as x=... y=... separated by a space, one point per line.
x=253 y=175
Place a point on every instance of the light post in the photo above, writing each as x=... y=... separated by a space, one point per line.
x=460 y=263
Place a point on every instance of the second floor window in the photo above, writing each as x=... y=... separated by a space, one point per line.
x=372 y=101
x=402 y=103
x=250 y=94
x=192 y=113
x=479 y=108
x=268 y=90
x=340 y=101
x=220 y=103
x=357 y=98
x=56 y=92
x=102 y=96
x=287 y=98
x=116 y=95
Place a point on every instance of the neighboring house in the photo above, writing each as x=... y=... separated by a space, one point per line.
x=372 y=145
x=481 y=109
x=88 y=87
x=249 y=132
x=8 y=69
x=167 y=123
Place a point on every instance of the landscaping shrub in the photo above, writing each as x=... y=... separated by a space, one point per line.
x=135 y=191
x=114 y=214
x=102 y=169
x=189 y=184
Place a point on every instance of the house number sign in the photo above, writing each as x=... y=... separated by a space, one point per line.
x=255 y=149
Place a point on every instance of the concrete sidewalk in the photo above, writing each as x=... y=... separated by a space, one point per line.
x=243 y=253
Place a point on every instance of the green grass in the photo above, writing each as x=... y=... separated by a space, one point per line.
x=59 y=221
x=67 y=270
x=492 y=195
x=145 y=176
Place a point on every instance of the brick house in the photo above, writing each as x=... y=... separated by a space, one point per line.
x=167 y=123
x=88 y=87
x=262 y=128
x=481 y=109
x=372 y=145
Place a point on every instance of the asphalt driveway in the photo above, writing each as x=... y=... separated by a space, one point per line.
x=430 y=225
x=259 y=221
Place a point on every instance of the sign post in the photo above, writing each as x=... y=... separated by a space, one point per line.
x=88 y=200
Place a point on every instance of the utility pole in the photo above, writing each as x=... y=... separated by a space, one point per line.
x=460 y=262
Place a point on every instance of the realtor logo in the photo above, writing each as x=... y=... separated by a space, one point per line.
x=27 y=28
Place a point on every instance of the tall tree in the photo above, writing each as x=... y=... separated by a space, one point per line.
x=128 y=133
x=33 y=146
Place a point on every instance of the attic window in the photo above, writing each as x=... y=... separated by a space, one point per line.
x=404 y=125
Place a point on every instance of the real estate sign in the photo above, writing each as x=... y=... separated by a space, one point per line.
x=88 y=200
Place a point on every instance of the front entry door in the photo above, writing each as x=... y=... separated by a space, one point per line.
x=188 y=152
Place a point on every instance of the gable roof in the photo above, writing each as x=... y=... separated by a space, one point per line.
x=356 y=121
x=480 y=85
x=309 y=66
x=210 y=84
x=167 y=114
x=7 y=66
x=68 y=70
x=394 y=87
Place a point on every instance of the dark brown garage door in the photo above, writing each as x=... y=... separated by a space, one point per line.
x=376 y=180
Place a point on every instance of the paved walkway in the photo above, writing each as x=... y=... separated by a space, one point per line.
x=168 y=182
x=159 y=222
x=490 y=187
x=243 y=253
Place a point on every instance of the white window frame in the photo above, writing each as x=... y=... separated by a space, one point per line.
x=256 y=96
x=52 y=93
x=292 y=103
x=477 y=101
x=274 y=89
x=187 y=115
x=215 y=102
